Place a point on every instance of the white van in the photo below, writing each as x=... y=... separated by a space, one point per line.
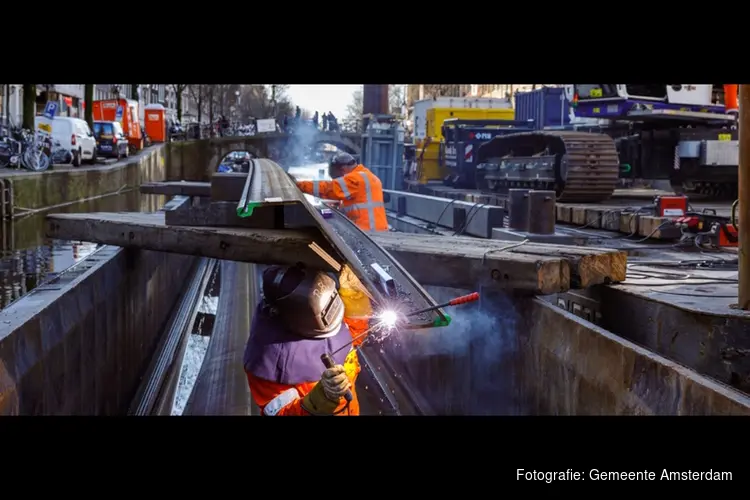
x=74 y=135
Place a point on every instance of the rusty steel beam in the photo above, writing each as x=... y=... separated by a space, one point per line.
x=221 y=387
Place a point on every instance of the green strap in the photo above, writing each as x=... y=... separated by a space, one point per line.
x=442 y=322
x=247 y=210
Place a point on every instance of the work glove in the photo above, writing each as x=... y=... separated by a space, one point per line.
x=356 y=302
x=326 y=396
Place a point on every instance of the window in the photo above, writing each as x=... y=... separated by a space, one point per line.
x=595 y=91
x=103 y=128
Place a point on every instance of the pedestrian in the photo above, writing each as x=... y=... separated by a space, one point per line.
x=357 y=188
x=325 y=122
x=297 y=113
x=300 y=317
x=315 y=119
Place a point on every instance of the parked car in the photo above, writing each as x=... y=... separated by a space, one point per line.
x=74 y=135
x=110 y=140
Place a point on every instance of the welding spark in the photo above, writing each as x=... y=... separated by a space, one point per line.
x=388 y=319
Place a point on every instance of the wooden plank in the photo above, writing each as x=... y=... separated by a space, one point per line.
x=459 y=262
x=149 y=232
x=587 y=266
x=629 y=220
x=181 y=188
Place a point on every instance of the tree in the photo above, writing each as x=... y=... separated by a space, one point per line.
x=198 y=93
x=353 y=120
x=29 y=105
x=396 y=98
x=88 y=98
x=178 y=89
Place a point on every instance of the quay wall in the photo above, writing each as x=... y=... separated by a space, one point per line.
x=79 y=345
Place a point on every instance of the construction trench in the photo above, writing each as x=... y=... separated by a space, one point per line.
x=553 y=333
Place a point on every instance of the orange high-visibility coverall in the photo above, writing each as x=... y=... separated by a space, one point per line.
x=731 y=96
x=361 y=196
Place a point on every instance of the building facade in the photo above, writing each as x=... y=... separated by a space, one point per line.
x=70 y=98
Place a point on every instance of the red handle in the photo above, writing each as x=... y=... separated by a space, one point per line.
x=464 y=299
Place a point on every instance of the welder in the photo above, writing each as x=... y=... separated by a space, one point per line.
x=300 y=317
x=359 y=191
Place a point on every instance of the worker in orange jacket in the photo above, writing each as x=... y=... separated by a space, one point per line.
x=300 y=317
x=359 y=191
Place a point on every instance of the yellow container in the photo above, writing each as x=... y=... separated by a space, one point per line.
x=428 y=166
x=436 y=117
x=428 y=149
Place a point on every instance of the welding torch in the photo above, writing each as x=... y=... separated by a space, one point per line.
x=328 y=361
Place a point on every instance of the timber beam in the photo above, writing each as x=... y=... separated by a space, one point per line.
x=464 y=262
x=150 y=232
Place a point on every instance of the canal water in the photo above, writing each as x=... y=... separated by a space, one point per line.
x=28 y=258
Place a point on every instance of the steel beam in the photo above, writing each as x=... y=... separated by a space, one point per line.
x=463 y=217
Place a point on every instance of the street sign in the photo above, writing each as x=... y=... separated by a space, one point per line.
x=50 y=109
x=266 y=125
x=118 y=114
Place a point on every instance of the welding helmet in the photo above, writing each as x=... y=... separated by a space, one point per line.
x=339 y=161
x=306 y=302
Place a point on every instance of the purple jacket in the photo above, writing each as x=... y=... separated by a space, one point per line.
x=274 y=354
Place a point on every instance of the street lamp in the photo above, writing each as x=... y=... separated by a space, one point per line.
x=237 y=104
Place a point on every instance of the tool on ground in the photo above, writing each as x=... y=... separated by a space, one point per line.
x=671 y=206
x=707 y=228
x=327 y=360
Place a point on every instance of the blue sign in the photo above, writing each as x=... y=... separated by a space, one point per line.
x=118 y=114
x=50 y=109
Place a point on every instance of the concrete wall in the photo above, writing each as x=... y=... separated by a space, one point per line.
x=79 y=346
x=529 y=357
x=54 y=187
x=569 y=366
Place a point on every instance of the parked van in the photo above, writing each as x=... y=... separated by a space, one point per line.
x=106 y=110
x=74 y=135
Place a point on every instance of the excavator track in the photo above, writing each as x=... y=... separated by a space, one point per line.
x=581 y=167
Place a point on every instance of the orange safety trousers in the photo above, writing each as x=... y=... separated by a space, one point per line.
x=360 y=193
x=265 y=392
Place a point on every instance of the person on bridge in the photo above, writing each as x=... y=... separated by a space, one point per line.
x=301 y=317
x=359 y=191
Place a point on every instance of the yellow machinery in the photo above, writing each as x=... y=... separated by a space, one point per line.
x=428 y=149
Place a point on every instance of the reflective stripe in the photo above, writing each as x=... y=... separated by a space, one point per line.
x=316 y=189
x=370 y=209
x=286 y=398
x=342 y=184
x=357 y=206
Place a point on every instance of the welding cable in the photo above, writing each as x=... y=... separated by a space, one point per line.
x=681 y=263
x=677 y=280
x=656 y=229
x=654 y=274
x=503 y=249
x=469 y=217
x=706 y=295
x=606 y=213
x=437 y=222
